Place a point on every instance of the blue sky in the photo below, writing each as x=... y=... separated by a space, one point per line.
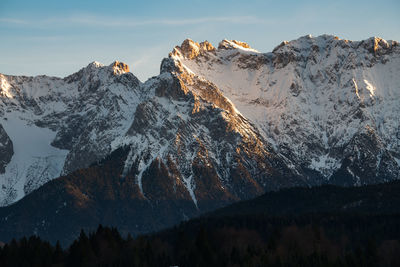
x=60 y=37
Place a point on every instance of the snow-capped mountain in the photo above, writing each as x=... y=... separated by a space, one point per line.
x=329 y=105
x=52 y=126
x=217 y=125
x=227 y=122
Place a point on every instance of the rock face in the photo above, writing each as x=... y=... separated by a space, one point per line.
x=206 y=148
x=6 y=149
x=120 y=67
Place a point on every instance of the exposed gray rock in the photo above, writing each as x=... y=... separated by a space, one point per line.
x=6 y=149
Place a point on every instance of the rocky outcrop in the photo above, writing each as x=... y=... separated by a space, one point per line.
x=120 y=67
x=233 y=44
x=190 y=49
x=366 y=161
x=6 y=149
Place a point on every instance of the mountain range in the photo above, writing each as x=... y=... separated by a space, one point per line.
x=216 y=126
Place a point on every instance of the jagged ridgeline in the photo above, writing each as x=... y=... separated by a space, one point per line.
x=217 y=125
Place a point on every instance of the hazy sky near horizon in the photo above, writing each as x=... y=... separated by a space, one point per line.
x=58 y=38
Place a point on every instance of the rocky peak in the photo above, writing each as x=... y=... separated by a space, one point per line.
x=190 y=49
x=305 y=43
x=6 y=149
x=87 y=71
x=5 y=87
x=378 y=46
x=119 y=67
x=206 y=46
x=95 y=72
x=233 y=44
x=167 y=65
x=94 y=66
x=280 y=45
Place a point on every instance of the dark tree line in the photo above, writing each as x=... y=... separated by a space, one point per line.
x=325 y=226
x=227 y=241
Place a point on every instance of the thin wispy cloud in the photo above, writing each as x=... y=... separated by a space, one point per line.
x=96 y=21
x=13 y=21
